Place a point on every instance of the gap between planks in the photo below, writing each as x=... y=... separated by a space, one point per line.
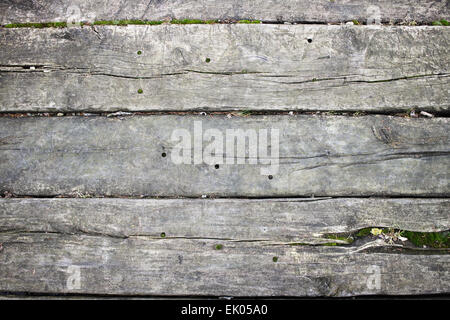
x=412 y=113
x=420 y=11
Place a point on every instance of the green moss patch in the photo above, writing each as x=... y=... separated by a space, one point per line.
x=343 y=237
x=442 y=22
x=419 y=239
x=363 y=232
x=428 y=239
x=120 y=23
x=329 y=244
x=37 y=25
x=125 y=22
x=249 y=21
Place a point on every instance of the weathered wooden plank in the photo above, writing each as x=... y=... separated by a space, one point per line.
x=174 y=155
x=225 y=67
x=267 y=10
x=275 y=220
x=54 y=263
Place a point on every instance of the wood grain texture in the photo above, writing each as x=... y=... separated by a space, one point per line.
x=318 y=155
x=273 y=220
x=267 y=10
x=251 y=67
x=45 y=263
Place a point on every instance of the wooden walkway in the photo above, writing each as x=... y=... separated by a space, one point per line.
x=144 y=153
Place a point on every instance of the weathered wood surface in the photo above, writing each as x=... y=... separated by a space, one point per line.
x=274 y=220
x=318 y=155
x=48 y=263
x=115 y=247
x=168 y=247
x=267 y=10
x=251 y=67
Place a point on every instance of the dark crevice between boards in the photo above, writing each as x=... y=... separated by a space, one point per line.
x=7 y=194
x=422 y=113
x=68 y=295
x=412 y=239
x=126 y=22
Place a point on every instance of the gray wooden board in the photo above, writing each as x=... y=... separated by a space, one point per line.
x=59 y=263
x=275 y=220
x=251 y=67
x=113 y=245
x=267 y=10
x=318 y=155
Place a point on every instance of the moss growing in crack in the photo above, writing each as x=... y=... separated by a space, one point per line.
x=105 y=23
x=428 y=239
x=329 y=244
x=363 y=233
x=37 y=25
x=249 y=21
x=442 y=22
x=219 y=247
x=419 y=239
x=153 y=23
x=118 y=23
x=440 y=240
x=343 y=237
x=246 y=112
x=125 y=22
x=422 y=239
x=326 y=244
x=193 y=21
x=356 y=22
